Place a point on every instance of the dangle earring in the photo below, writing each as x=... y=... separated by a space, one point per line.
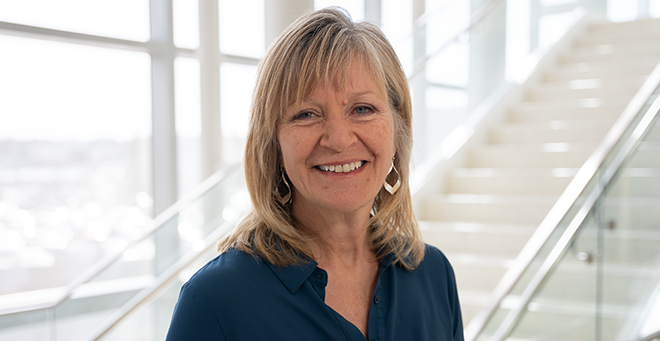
x=389 y=188
x=283 y=199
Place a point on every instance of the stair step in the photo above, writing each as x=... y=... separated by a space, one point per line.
x=483 y=208
x=563 y=320
x=629 y=26
x=478 y=273
x=573 y=131
x=510 y=181
x=476 y=239
x=596 y=102
x=628 y=49
x=545 y=115
x=602 y=69
x=602 y=37
x=540 y=94
x=615 y=52
x=591 y=83
x=471 y=303
x=548 y=155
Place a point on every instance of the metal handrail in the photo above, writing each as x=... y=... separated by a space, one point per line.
x=159 y=221
x=567 y=200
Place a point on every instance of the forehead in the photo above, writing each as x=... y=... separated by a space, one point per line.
x=353 y=75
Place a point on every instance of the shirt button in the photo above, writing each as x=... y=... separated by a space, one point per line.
x=376 y=299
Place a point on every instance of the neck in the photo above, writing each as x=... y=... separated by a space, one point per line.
x=336 y=238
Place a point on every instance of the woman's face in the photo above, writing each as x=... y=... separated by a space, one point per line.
x=337 y=145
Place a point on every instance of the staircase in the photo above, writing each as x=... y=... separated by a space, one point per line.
x=491 y=204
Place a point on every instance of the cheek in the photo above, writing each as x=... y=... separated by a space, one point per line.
x=293 y=146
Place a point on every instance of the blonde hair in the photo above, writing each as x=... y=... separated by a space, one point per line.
x=297 y=62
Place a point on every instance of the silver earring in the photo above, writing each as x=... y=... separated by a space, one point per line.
x=389 y=188
x=283 y=199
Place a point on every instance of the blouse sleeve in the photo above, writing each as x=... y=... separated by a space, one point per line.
x=193 y=318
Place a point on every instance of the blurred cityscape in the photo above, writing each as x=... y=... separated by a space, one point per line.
x=65 y=205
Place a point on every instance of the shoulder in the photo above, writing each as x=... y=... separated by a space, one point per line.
x=228 y=270
x=435 y=260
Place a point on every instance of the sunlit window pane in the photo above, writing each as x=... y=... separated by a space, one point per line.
x=123 y=19
x=654 y=8
x=74 y=172
x=397 y=22
x=186 y=23
x=188 y=123
x=451 y=66
x=236 y=86
x=621 y=10
x=354 y=7
x=242 y=27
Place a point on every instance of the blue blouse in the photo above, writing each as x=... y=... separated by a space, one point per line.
x=236 y=297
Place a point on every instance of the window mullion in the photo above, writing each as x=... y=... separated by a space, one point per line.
x=162 y=78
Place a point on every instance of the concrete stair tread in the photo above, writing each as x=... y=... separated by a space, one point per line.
x=590 y=83
x=494 y=199
x=543 y=132
x=628 y=25
x=468 y=259
x=567 y=94
x=605 y=67
x=471 y=227
x=592 y=102
x=514 y=172
x=537 y=148
x=609 y=52
x=603 y=123
x=549 y=115
x=620 y=47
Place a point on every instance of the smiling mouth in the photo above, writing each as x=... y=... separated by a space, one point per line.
x=349 y=167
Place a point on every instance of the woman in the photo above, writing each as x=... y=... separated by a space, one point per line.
x=331 y=249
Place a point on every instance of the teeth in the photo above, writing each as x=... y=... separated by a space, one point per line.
x=342 y=168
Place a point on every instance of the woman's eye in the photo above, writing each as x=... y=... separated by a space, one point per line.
x=362 y=110
x=304 y=115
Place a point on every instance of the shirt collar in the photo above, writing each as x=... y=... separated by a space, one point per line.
x=293 y=276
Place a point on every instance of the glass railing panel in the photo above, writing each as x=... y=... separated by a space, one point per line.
x=182 y=231
x=510 y=301
x=565 y=306
x=27 y=326
x=600 y=288
x=605 y=271
x=630 y=215
x=151 y=320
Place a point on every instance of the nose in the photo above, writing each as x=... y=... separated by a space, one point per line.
x=338 y=133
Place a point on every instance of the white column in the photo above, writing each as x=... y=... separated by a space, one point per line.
x=279 y=14
x=162 y=88
x=418 y=85
x=164 y=144
x=209 y=52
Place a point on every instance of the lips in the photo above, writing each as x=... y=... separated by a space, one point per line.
x=345 y=168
